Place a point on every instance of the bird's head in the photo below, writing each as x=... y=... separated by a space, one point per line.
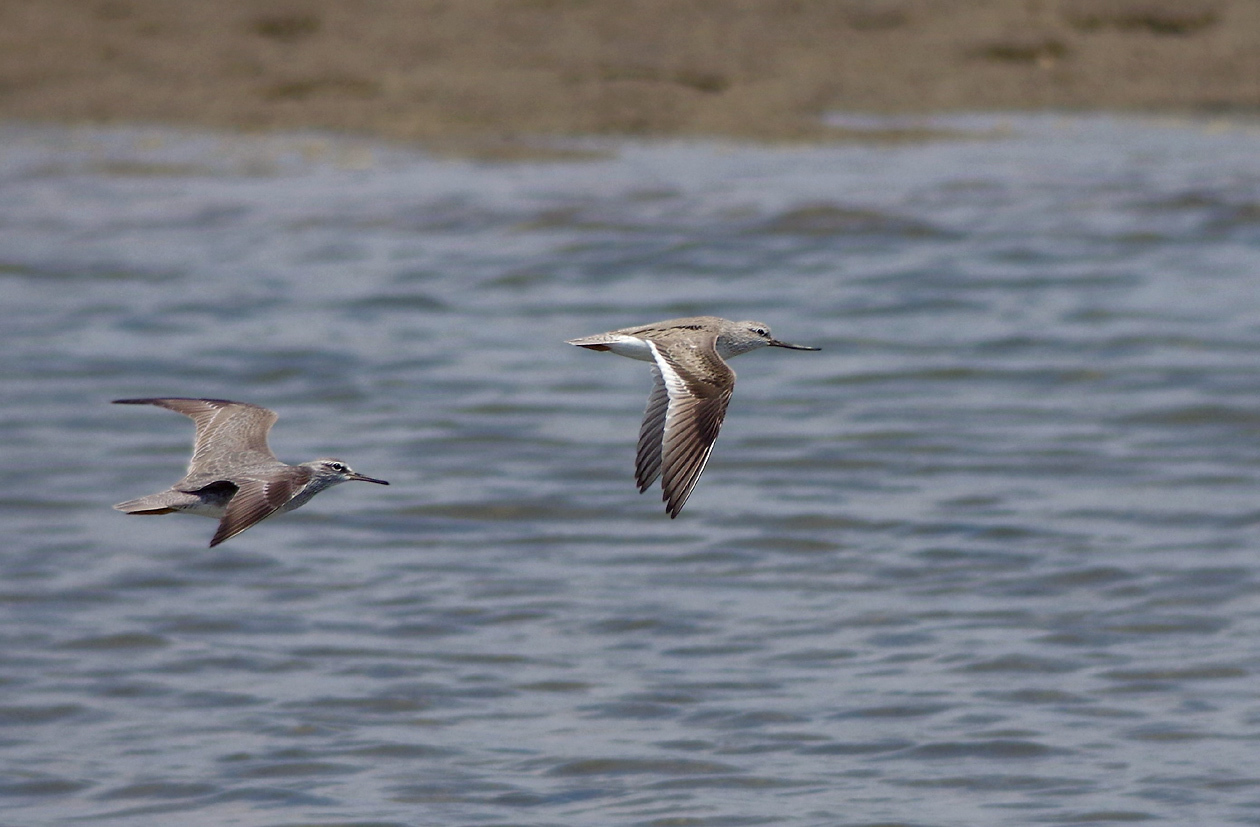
x=750 y=335
x=333 y=471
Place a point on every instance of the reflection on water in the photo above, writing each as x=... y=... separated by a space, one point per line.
x=989 y=558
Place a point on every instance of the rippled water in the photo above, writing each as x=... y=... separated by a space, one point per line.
x=989 y=558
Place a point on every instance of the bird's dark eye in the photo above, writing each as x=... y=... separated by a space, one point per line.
x=338 y=467
x=761 y=331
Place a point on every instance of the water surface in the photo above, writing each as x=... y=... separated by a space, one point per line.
x=990 y=558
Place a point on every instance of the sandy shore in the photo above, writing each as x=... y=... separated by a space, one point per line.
x=462 y=74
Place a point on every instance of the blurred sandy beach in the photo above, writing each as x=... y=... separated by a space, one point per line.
x=475 y=72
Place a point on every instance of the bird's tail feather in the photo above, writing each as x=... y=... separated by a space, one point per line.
x=152 y=504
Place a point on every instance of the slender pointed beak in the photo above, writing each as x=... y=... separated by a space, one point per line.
x=777 y=343
x=361 y=478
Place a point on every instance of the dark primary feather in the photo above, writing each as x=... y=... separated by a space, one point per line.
x=258 y=499
x=688 y=444
x=696 y=409
x=647 y=463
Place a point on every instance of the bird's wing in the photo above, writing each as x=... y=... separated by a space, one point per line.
x=257 y=499
x=698 y=384
x=224 y=429
x=647 y=463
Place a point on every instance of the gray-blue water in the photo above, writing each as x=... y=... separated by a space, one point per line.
x=992 y=557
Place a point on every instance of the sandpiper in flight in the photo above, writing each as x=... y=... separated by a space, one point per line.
x=693 y=386
x=233 y=476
